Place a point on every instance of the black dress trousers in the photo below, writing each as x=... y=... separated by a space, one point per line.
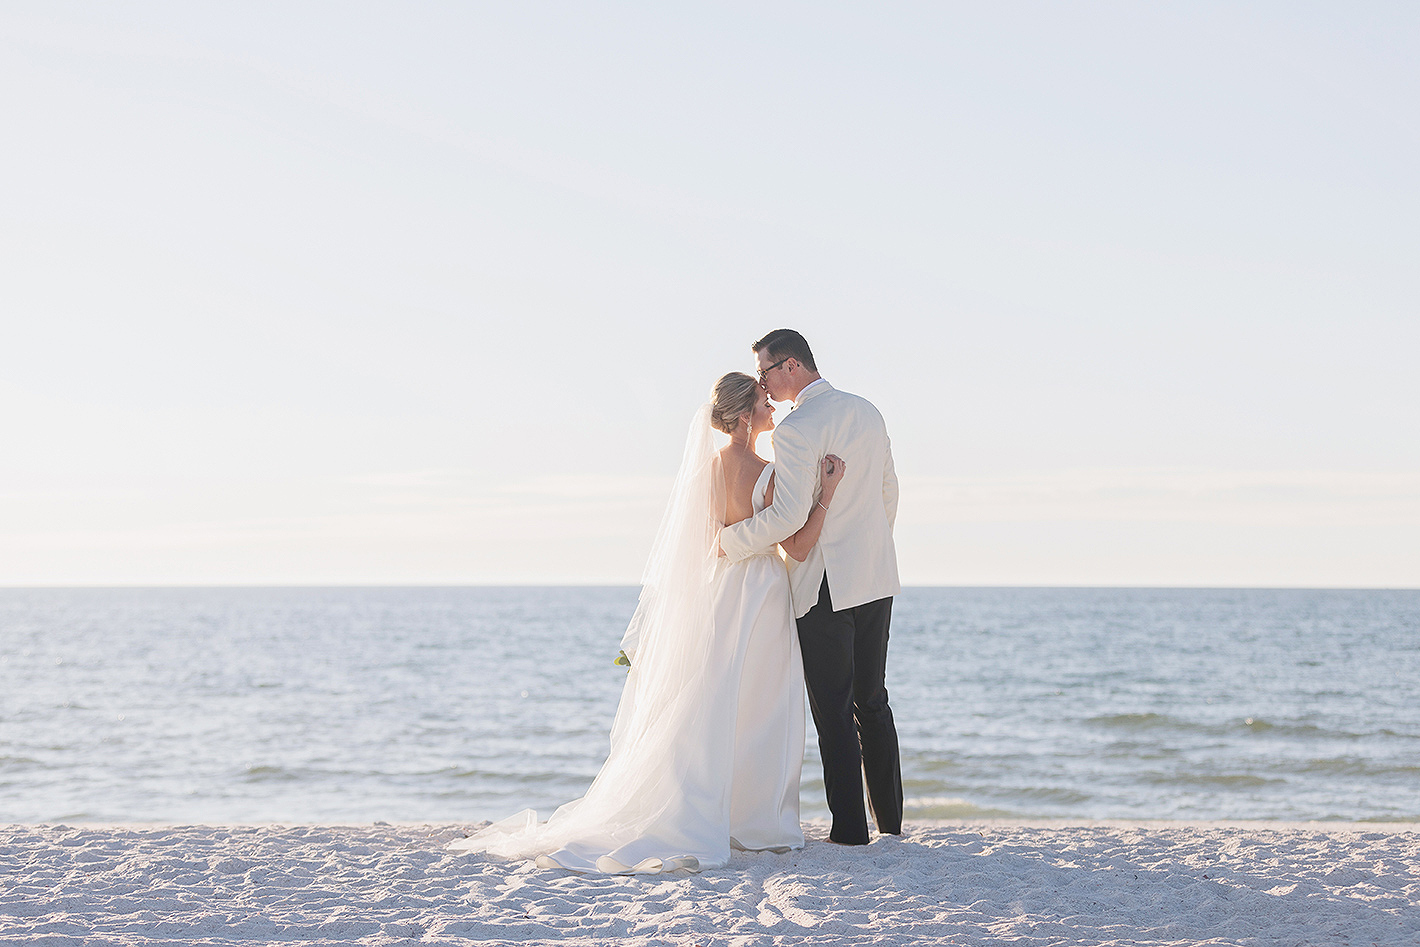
x=845 y=660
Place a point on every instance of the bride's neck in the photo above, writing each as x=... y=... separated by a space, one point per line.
x=743 y=440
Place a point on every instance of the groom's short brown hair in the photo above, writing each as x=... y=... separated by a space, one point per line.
x=786 y=343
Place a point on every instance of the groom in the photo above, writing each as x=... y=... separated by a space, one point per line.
x=842 y=592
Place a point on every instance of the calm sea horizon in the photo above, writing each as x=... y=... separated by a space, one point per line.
x=362 y=704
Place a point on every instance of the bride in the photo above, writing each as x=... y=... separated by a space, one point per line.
x=708 y=738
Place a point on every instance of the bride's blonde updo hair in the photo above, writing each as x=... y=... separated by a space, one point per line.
x=732 y=398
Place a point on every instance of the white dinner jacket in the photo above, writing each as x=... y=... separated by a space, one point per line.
x=855 y=548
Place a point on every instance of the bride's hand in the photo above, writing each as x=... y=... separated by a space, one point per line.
x=830 y=473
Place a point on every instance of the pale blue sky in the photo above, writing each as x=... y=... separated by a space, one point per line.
x=427 y=293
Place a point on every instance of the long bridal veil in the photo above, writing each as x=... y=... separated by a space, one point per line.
x=675 y=584
x=640 y=802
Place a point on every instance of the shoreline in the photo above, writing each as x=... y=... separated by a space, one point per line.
x=1023 y=822
x=965 y=881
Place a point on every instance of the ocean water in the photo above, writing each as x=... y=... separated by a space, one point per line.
x=366 y=704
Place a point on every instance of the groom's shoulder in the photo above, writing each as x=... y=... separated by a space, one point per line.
x=834 y=403
x=847 y=400
x=857 y=399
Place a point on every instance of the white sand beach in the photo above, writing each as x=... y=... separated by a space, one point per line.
x=1137 y=883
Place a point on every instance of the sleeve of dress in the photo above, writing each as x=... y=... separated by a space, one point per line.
x=795 y=482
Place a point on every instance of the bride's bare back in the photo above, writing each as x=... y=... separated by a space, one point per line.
x=741 y=469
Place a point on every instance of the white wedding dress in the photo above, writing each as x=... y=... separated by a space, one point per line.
x=708 y=741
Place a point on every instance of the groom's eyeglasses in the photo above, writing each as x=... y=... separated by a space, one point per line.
x=766 y=371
